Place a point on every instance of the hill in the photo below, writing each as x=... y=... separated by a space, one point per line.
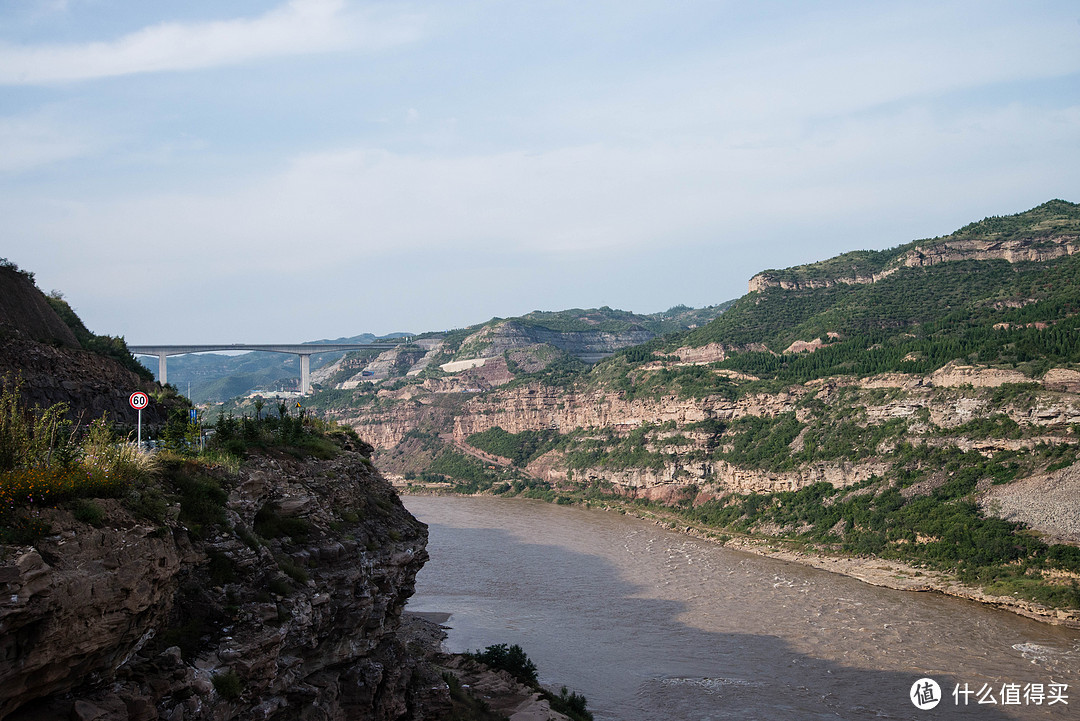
x=48 y=348
x=919 y=405
x=1002 y=291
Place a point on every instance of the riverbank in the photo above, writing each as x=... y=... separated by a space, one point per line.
x=476 y=690
x=875 y=571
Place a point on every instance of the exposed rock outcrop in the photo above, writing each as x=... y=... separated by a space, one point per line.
x=933 y=408
x=932 y=253
x=136 y=620
x=89 y=383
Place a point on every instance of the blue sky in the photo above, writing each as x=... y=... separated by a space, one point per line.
x=285 y=171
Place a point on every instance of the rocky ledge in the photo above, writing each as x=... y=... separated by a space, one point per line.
x=275 y=593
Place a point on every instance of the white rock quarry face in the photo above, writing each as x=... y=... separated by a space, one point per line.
x=462 y=365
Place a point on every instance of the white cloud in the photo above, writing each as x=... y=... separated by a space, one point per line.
x=39 y=139
x=849 y=128
x=363 y=207
x=298 y=27
x=754 y=85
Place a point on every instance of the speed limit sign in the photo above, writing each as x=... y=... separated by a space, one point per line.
x=138 y=401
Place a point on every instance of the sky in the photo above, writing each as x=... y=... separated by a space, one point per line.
x=267 y=172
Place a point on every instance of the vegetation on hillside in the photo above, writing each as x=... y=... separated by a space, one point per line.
x=520 y=448
x=611 y=320
x=109 y=346
x=1022 y=315
x=1054 y=217
x=48 y=461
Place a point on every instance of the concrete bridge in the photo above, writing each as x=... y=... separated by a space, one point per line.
x=304 y=350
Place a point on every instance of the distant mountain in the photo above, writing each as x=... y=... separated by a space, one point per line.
x=537 y=344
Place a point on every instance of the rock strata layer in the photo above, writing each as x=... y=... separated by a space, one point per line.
x=289 y=609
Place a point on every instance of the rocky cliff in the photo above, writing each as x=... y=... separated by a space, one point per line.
x=282 y=602
x=929 y=409
x=88 y=383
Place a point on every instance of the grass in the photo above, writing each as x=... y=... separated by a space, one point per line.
x=47 y=461
x=269 y=523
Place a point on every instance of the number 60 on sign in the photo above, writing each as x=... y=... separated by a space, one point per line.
x=138 y=401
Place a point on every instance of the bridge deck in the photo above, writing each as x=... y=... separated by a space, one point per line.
x=293 y=348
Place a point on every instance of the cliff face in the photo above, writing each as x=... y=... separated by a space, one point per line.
x=286 y=607
x=1035 y=249
x=692 y=444
x=88 y=383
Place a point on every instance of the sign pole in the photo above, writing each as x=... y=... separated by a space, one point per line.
x=140 y=428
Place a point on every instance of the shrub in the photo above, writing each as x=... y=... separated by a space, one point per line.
x=271 y=524
x=228 y=685
x=202 y=500
x=511 y=659
x=292 y=569
x=87 y=511
x=571 y=704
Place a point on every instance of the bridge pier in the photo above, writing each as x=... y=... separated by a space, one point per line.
x=305 y=373
x=162 y=370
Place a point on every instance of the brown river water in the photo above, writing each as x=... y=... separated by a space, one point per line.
x=652 y=624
